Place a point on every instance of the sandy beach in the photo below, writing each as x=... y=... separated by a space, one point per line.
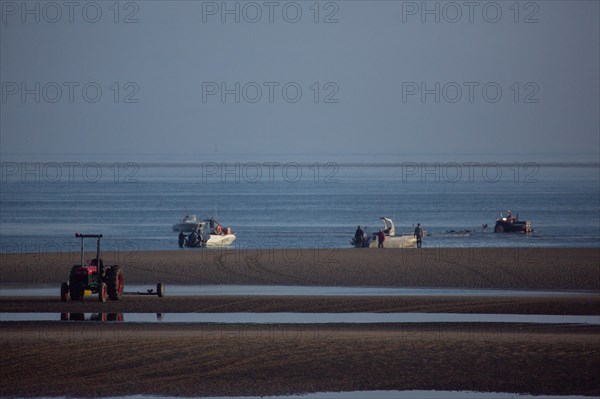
x=506 y=268
x=200 y=360
x=101 y=359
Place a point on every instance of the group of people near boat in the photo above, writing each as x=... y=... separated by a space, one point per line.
x=359 y=236
x=191 y=241
x=195 y=238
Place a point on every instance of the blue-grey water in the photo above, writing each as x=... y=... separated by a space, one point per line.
x=278 y=204
x=297 y=290
x=307 y=318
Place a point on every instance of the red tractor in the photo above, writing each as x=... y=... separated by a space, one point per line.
x=93 y=276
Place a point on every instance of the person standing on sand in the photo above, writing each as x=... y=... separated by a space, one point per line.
x=181 y=239
x=380 y=238
x=419 y=234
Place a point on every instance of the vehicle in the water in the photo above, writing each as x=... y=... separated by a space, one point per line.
x=207 y=233
x=511 y=224
x=391 y=239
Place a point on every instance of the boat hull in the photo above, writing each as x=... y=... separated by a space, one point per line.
x=220 y=240
x=396 y=242
x=186 y=227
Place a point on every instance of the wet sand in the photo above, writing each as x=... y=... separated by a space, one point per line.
x=579 y=305
x=100 y=359
x=503 y=268
x=199 y=360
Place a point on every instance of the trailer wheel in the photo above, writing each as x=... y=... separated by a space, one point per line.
x=115 y=283
x=102 y=292
x=114 y=317
x=160 y=290
x=64 y=292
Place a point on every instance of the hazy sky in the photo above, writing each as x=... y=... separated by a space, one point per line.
x=300 y=77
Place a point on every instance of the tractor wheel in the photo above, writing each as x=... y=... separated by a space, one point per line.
x=76 y=291
x=64 y=292
x=115 y=283
x=499 y=229
x=102 y=292
x=160 y=290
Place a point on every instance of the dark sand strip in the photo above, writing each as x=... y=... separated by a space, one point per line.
x=579 y=305
x=501 y=268
x=201 y=360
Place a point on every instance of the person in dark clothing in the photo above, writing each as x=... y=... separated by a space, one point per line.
x=359 y=235
x=193 y=238
x=380 y=239
x=418 y=234
x=181 y=239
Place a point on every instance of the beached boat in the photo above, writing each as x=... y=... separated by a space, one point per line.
x=187 y=224
x=511 y=224
x=207 y=233
x=391 y=239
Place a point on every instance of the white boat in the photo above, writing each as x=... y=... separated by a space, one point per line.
x=207 y=233
x=216 y=240
x=407 y=240
x=187 y=224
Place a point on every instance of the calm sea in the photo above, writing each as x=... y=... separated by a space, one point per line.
x=296 y=204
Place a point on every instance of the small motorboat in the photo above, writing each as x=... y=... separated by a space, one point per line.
x=511 y=224
x=391 y=239
x=207 y=233
x=187 y=224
